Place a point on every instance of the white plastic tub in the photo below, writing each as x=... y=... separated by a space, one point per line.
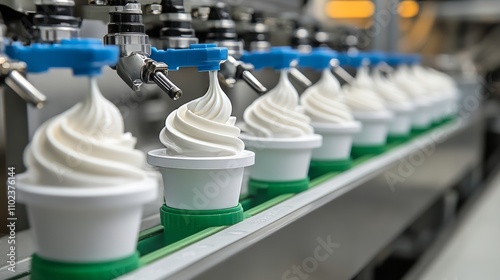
x=201 y=183
x=82 y=225
x=375 y=126
x=281 y=159
x=337 y=140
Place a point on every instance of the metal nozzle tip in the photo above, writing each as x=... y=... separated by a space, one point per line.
x=175 y=93
x=253 y=82
x=167 y=86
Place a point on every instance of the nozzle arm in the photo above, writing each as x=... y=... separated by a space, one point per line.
x=233 y=70
x=18 y=83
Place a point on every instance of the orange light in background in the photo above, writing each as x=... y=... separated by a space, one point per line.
x=408 y=8
x=350 y=9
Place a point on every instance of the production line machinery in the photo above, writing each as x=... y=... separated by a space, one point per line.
x=358 y=212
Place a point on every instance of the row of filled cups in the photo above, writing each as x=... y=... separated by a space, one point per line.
x=86 y=183
x=390 y=96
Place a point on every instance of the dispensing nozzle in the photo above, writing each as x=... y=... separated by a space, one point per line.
x=167 y=86
x=233 y=70
x=18 y=83
x=297 y=75
x=213 y=24
x=12 y=73
x=137 y=69
x=335 y=64
x=126 y=30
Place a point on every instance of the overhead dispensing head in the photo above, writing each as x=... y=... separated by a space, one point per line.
x=86 y=57
x=394 y=59
x=413 y=59
x=213 y=24
x=206 y=57
x=397 y=59
x=277 y=58
x=177 y=31
x=375 y=57
x=354 y=59
x=324 y=58
x=318 y=59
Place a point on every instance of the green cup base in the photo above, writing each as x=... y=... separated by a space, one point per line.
x=418 y=131
x=397 y=138
x=42 y=269
x=318 y=168
x=179 y=223
x=266 y=190
x=359 y=151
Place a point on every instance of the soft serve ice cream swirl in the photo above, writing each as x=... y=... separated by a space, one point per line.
x=85 y=147
x=405 y=80
x=203 y=127
x=277 y=114
x=323 y=102
x=393 y=96
x=359 y=95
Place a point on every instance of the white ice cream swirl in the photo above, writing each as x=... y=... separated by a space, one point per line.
x=85 y=147
x=392 y=95
x=405 y=80
x=277 y=114
x=203 y=127
x=360 y=96
x=324 y=101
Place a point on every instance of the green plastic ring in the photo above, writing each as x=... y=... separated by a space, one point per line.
x=359 y=151
x=318 y=168
x=179 y=223
x=42 y=269
x=266 y=190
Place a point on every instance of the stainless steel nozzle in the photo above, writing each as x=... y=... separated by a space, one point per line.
x=166 y=85
x=250 y=79
x=12 y=75
x=334 y=63
x=233 y=70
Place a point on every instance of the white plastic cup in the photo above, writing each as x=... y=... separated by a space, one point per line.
x=201 y=183
x=439 y=107
x=337 y=140
x=423 y=115
x=281 y=159
x=434 y=108
x=400 y=124
x=244 y=184
x=375 y=126
x=85 y=225
x=451 y=107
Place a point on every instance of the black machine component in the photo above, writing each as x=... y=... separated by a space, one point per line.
x=127 y=31
x=213 y=24
x=177 y=31
x=47 y=21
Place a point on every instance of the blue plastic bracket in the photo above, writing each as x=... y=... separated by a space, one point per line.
x=318 y=59
x=85 y=56
x=354 y=60
x=206 y=57
x=276 y=58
